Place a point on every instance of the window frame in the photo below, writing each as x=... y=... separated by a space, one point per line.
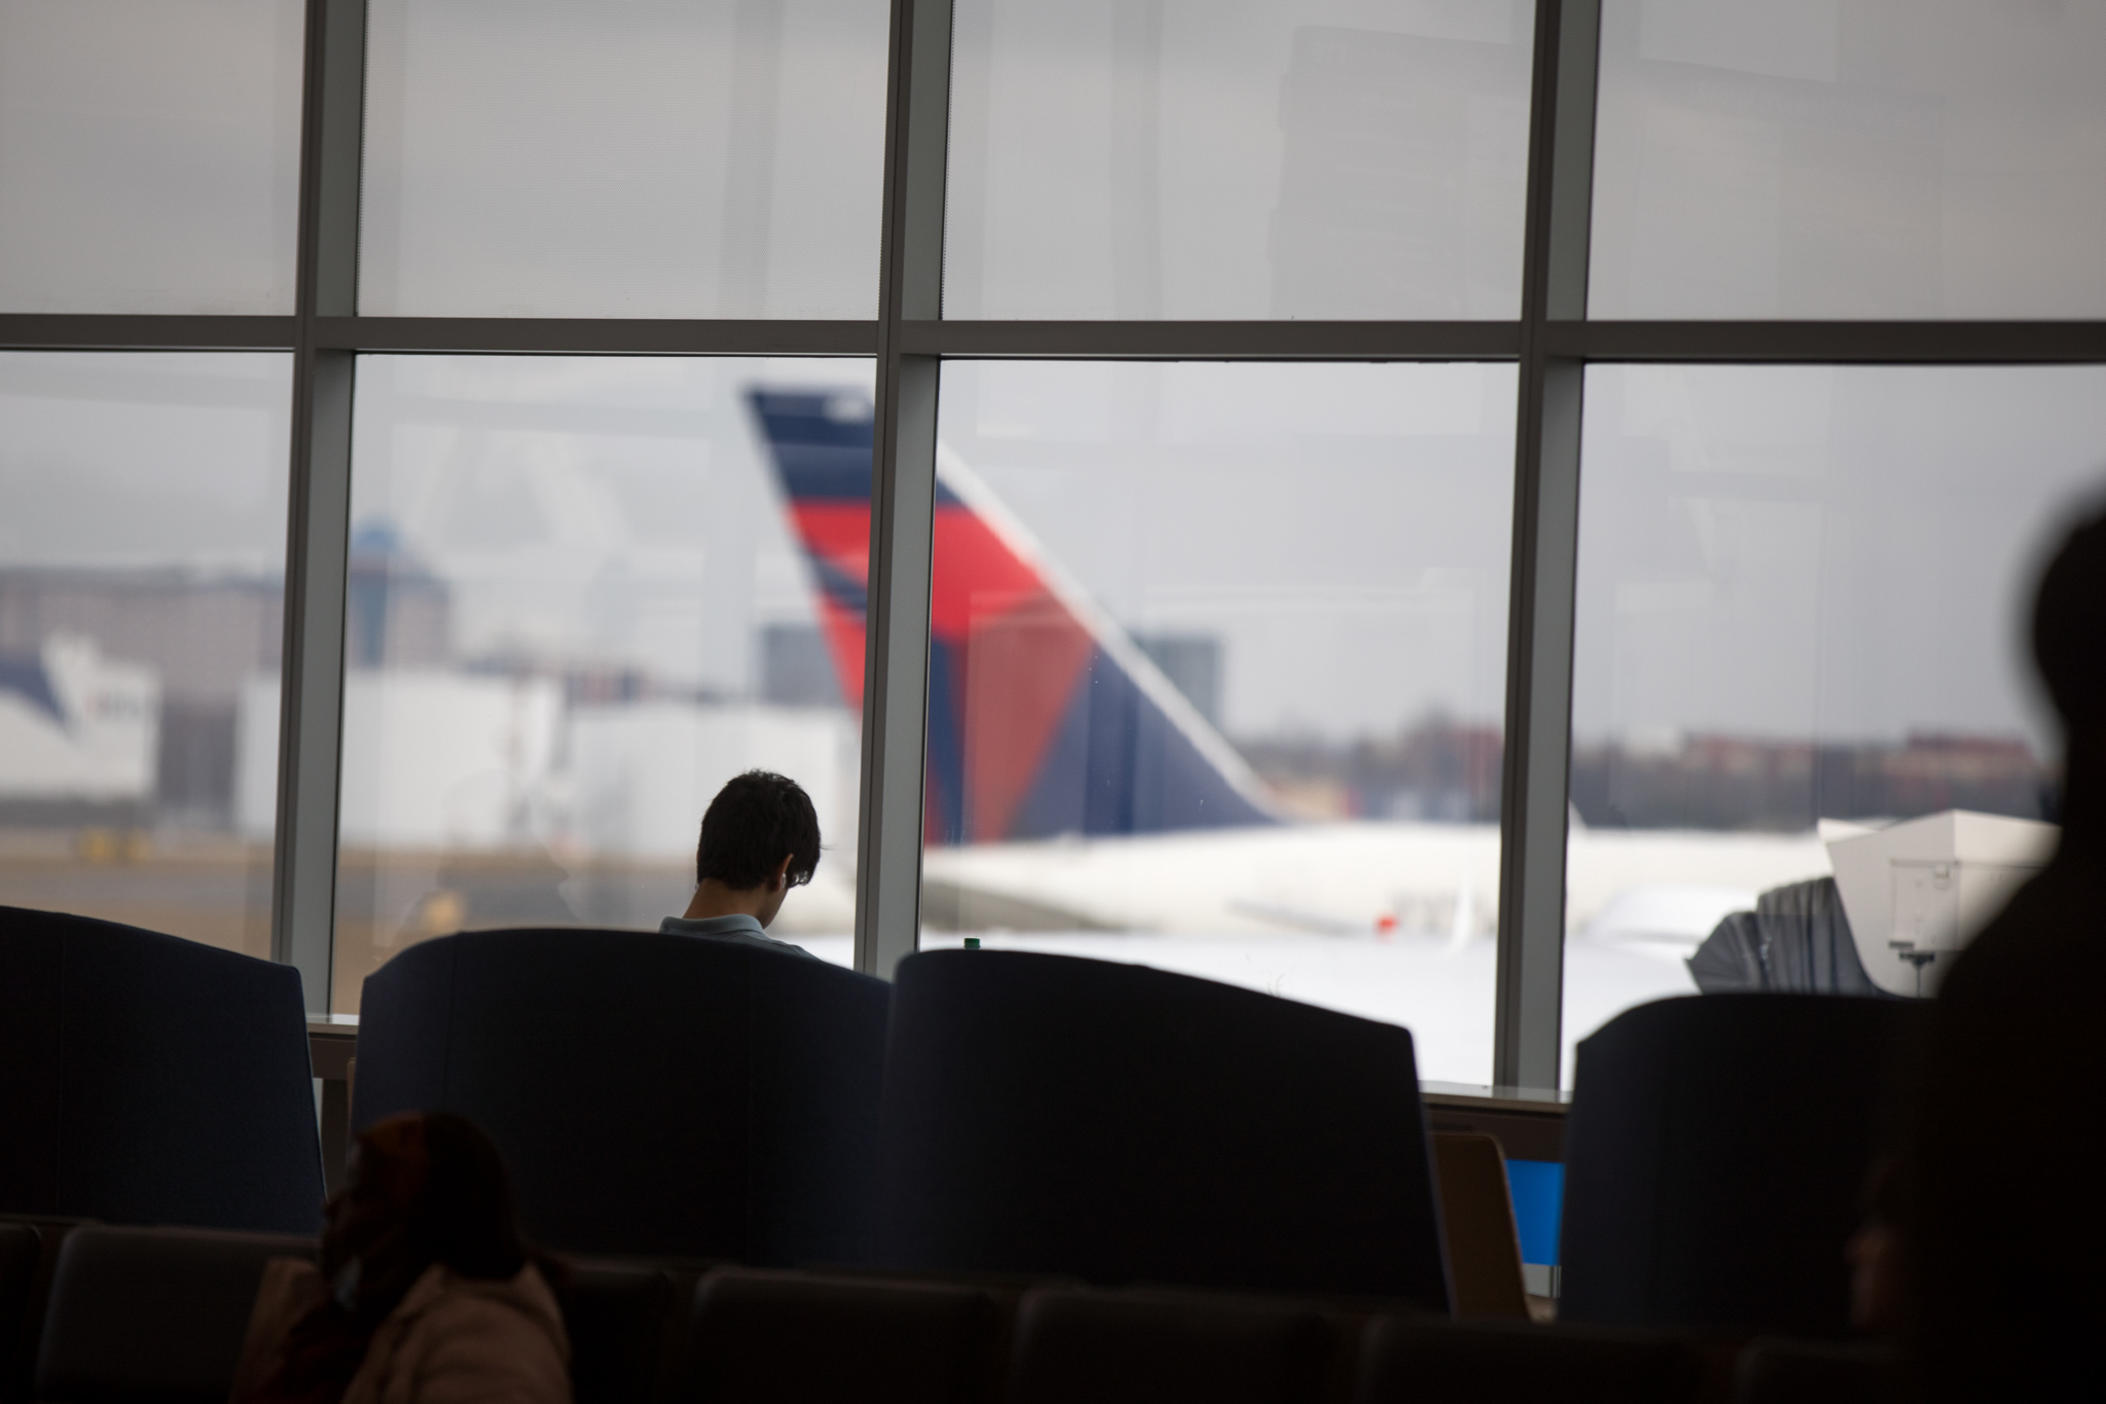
x=1552 y=342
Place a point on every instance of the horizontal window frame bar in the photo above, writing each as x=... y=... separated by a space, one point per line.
x=1214 y=341
x=1623 y=342
x=1830 y=343
x=98 y=331
x=595 y=336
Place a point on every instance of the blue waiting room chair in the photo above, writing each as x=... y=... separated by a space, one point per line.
x=145 y=1079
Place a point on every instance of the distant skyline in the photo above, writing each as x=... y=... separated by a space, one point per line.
x=1839 y=554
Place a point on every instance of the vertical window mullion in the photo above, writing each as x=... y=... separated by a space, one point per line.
x=1526 y=1031
x=903 y=491
x=311 y=708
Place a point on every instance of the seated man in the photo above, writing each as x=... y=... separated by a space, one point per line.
x=760 y=838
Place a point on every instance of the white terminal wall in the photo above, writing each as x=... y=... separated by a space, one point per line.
x=430 y=759
x=442 y=760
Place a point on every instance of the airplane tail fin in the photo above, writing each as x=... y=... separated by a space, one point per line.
x=1045 y=718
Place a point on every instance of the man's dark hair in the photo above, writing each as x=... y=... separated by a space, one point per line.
x=754 y=820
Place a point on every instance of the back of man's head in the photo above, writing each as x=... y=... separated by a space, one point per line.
x=2069 y=623
x=755 y=820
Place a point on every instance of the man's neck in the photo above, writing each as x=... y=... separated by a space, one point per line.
x=714 y=899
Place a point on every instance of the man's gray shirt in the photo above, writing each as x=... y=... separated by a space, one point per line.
x=738 y=929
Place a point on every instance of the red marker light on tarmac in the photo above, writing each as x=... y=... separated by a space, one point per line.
x=1386 y=924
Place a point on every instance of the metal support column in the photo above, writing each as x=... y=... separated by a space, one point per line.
x=303 y=906
x=903 y=492
x=1533 y=793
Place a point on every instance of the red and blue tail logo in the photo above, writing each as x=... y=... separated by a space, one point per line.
x=1044 y=717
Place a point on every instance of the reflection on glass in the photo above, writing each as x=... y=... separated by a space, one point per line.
x=1802 y=595
x=142 y=567
x=1216 y=675
x=1850 y=158
x=575 y=609
x=656 y=158
x=1201 y=159
x=149 y=155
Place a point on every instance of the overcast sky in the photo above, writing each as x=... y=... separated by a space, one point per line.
x=1785 y=552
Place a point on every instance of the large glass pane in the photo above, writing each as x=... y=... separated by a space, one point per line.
x=655 y=158
x=1226 y=158
x=1850 y=158
x=576 y=608
x=142 y=568
x=1217 y=676
x=149 y=155
x=1802 y=599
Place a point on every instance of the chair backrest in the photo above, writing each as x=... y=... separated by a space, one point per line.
x=1715 y=1158
x=1082 y=1347
x=152 y=1080
x=783 y=1338
x=653 y=1095
x=1404 y=1361
x=1477 y=1218
x=21 y=1258
x=626 y=1322
x=1045 y=1114
x=151 y=1314
x=1820 y=1372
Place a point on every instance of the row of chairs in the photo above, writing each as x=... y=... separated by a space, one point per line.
x=1014 y=1113
x=138 y=1314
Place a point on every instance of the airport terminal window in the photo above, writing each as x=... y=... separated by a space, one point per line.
x=142 y=573
x=657 y=158
x=1802 y=599
x=576 y=607
x=1219 y=648
x=1139 y=159
x=1850 y=158
x=1216 y=677
x=149 y=155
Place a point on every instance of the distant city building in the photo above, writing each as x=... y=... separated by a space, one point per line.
x=1438 y=771
x=1733 y=782
x=1446 y=771
x=201 y=638
x=201 y=634
x=196 y=636
x=397 y=613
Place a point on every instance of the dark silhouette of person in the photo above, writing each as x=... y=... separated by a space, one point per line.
x=2003 y=1227
x=425 y=1292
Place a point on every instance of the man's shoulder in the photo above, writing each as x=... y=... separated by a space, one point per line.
x=731 y=931
x=762 y=942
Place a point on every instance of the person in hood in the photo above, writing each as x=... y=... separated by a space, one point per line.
x=425 y=1292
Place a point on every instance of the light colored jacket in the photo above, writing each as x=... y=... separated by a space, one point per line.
x=451 y=1340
